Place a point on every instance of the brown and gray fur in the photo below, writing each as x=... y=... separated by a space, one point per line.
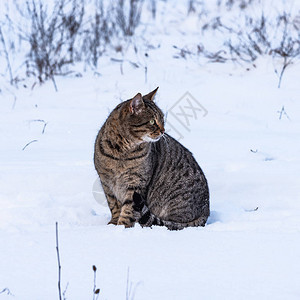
x=147 y=176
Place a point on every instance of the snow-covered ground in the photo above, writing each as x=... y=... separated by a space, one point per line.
x=249 y=151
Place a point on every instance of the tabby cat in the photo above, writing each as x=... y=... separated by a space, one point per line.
x=147 y=176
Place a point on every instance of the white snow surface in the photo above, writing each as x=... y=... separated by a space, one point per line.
x=250 y=248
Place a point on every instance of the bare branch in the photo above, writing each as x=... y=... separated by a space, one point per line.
x=251 y=210
x=7 y=291
x=95 y=290
x=58 y=262
x=29 y=144
x=6 y=56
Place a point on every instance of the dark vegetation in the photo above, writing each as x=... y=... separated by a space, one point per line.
x=57 y=37
x=252 y=37
x=67 y=33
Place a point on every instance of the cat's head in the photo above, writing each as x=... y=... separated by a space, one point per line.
x=143 y=119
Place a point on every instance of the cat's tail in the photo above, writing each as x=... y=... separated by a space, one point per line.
x=146 y=219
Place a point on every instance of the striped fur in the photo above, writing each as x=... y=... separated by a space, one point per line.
x=147 y=219
x=147 y=176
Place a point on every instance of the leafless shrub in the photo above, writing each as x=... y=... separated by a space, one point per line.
x=129 y=15
x=62 y=34
x=256 y=37
x=261 y=40
x=6 y=55
x=52 y=37
x=99 y=34
x=247 y=45
x=289 y=46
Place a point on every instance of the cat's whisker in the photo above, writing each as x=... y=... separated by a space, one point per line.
x=166 y=117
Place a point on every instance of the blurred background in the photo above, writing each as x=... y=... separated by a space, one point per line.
x=40 y=40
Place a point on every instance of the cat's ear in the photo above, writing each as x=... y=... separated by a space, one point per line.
x=136 y=104
x=151 y=95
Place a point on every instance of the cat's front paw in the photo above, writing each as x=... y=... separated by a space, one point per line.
x=113 y=221
x=128 y=222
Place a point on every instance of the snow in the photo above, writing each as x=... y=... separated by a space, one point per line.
x=190 y=264
x=249 y=155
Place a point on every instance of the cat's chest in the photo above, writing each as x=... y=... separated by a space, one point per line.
x=125 y=171
x=133 y=178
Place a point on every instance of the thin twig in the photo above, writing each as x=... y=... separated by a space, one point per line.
x=134 y=289
x=131 y=288
x=54 y=83
x=251 y=210
x=65 y=291
x=146 y=74
x=283 y=112
x=45 y=124
x=95 y=290
x=41 y=121
x=127 y=285
x=285 y=65
x=7 y=291
x=6 y=57
x=29 y=144
x=58 y=262
x=116 y=60
x=15 y=101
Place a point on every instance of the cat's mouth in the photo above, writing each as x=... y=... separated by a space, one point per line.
x=147 y=138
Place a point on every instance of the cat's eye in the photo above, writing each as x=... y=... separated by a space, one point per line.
x=152 y=122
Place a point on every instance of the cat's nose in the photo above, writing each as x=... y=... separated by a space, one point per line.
x=162 y=130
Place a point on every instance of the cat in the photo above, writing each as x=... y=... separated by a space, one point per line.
x=147 y=176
